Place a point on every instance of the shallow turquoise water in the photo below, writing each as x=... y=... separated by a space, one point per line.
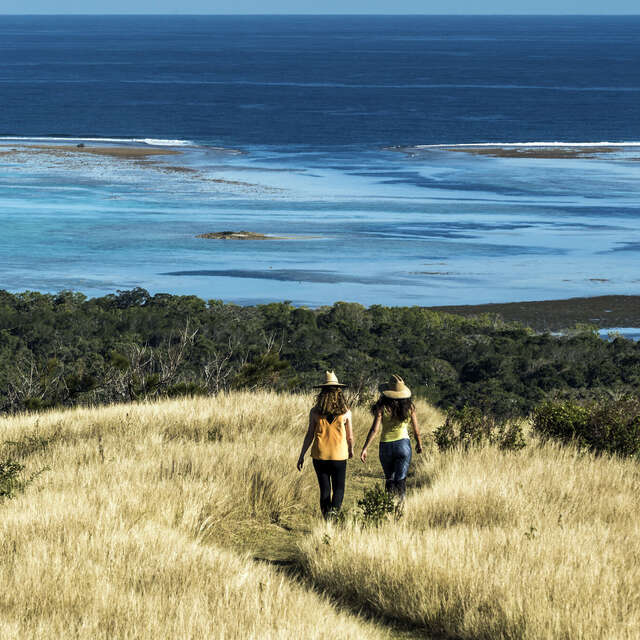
x=373 y=226
x=630 y=333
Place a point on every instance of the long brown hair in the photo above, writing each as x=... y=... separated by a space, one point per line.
x=330 y=401
x=399 y=408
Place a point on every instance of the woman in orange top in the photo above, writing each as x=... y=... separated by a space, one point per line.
x=330 y=435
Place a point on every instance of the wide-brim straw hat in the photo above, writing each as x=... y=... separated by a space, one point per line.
x=330 y=380
x=395 y=388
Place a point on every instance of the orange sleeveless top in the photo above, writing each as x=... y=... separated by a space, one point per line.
x=330 y=439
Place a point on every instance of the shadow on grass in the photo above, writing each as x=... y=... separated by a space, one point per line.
x=293 y=568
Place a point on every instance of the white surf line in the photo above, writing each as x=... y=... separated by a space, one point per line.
x=155 y=142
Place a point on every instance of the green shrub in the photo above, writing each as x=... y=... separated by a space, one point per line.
x=471 y=427
x=10 y=482
x=565 y=421
x=512 y=436
x=378 y=505
x=446 y=436
x=609 y=425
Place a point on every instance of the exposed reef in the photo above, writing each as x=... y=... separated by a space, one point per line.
x=237 y=235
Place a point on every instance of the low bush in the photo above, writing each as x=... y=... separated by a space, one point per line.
x=563 y=420
x=471 y=427
x=10 y=481
x=378 y=505
x=609 y=425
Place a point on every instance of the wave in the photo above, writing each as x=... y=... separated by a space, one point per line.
x=155 y=142
x=546 y=145
x=345 y=85
x=339 y=85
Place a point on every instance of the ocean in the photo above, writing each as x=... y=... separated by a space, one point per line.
x=342 y=139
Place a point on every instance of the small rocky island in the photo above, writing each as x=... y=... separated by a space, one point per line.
x=236 y=235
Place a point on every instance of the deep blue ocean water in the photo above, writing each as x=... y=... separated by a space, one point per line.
x=313 y=129
x=329 y=81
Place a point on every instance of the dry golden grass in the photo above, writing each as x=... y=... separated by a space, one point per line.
x=540 y=544
x=122 y=536
x=146 y=520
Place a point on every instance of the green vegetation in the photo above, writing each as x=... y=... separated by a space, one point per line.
x=12 y=479
x=609 y=425
x=469 y=427
x=65 y=350
x=377 y=506
x=9 y=477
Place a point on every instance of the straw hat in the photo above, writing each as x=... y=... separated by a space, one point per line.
x=330 y=380
x=395 y=388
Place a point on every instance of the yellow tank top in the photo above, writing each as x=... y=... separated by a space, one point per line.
x=394 y=429
x=330 y=439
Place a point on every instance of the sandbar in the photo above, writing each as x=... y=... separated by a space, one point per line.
x=524 y=150
x=145 y=156
x=130 y=153
x=535 y=152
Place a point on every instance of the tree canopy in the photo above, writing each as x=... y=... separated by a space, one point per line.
x=66 y=349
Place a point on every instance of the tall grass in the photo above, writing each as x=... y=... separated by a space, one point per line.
x=539 y=544
x=122 y=536
x=143 y=522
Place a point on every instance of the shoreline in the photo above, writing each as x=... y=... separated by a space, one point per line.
x=605 y=312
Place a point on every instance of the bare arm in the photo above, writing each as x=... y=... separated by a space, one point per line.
x=375 y=427
x=349 y=429
x=416 y=431
x=308 y=439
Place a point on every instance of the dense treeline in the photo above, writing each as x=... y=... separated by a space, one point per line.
x=65 y=349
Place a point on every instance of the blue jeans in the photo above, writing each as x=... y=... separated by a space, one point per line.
x=395 y=458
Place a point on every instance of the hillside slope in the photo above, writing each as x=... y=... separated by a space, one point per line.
x=171 y=519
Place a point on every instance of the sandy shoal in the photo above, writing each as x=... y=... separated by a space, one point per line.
x=113 y=152
x=535 y=152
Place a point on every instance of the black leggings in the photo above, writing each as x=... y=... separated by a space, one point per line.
x=331 y=475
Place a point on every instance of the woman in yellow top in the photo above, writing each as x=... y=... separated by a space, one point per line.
x=330 y=435
x=394 y=412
